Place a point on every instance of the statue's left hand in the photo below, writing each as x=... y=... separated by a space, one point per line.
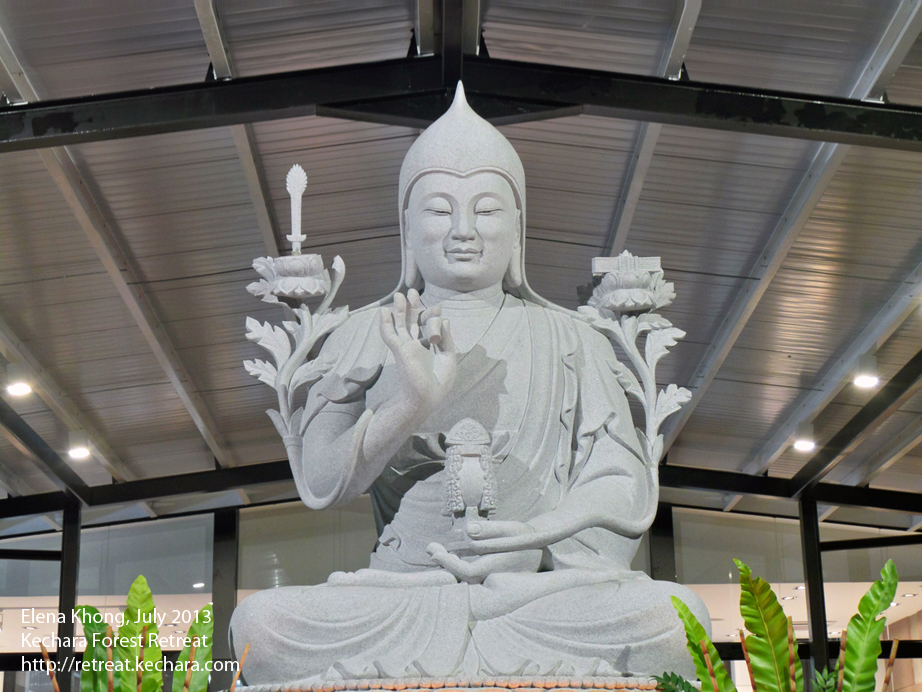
x=509 y=536
x=478 y=569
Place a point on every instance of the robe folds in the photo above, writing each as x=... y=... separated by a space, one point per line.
x=541 y=382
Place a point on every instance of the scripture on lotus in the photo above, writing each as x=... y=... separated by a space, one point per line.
x=491 y=429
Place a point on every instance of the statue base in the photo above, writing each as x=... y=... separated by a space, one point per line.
x=525 y=684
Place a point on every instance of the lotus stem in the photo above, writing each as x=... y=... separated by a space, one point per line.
x=141 y=657
x=109 y=668
x=188 y=680
x=840 y=664
x=50 y=667
x=707 y=660
x=896 y=643
x=752 y=677
x=243 y=658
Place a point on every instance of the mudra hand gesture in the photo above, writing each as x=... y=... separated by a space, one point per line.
x=423 y=350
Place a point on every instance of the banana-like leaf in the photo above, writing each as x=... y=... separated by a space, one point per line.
x=94 y=630
x=671 y=682
x=864 y=631
x=139 y=613
x=694 y=633
x=768 y=641
x=201 y=632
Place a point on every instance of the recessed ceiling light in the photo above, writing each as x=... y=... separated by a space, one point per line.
x=893 y=604
x=79 y=448
x=29 y=628
x=788 y=598
x=908 y=595
x=800 y=588
x=18 y=380
x=866 y=373
x=18 y=388
x=834 y=634
x=803 y=438
x=198 y=585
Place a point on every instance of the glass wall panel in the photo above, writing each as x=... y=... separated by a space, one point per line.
x=289 y=544
x=174 y=555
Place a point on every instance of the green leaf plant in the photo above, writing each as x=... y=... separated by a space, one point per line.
x=770 y=648
x=131 y=659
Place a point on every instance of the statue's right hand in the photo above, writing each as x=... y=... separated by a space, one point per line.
x=425 y=372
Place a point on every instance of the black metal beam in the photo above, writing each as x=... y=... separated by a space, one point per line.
x=910 y=648
x=690 y=478
x=224 y=589
x=813 y=580
x=849 y=495
x=14 y=554
x=44 y=456
x=876 y=542
x=184 y=484
x=699 y=104
x=897 y=391
x=67 y=596
x=41 y=503
x=452 y=36
x=210 y=104
x=377 y=90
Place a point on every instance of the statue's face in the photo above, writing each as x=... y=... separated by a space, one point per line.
x=462 y=232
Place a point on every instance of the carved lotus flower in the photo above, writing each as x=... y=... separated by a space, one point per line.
x=632 y=291
x=296 y=277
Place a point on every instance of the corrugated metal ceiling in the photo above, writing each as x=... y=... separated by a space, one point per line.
x=181 y=211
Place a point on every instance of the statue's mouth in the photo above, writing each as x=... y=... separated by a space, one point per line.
x=464 y=254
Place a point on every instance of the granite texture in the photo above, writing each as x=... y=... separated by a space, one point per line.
x=492 y=430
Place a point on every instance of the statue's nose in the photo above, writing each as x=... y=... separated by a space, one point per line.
x=463 y=228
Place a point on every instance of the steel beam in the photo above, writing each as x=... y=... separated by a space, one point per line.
x=74 y=187
x=183 y=484
x=67 y=596
x=889 y=398
x=294 y=94
x=38 y=555
x=813 y=580
x=690 y=478
x=224 y=589
x=14 y=350
x=895 y=311
x=243 y=136
x=899 y=36
x=908 y=438
x=866 y=543
x=48 y=460
x=670 y=66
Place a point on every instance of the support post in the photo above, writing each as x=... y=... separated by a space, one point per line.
x=813 y=580
x=67 y=595
x=662 y=545
x=224 y=590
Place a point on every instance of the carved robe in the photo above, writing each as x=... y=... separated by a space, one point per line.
x=541 y=382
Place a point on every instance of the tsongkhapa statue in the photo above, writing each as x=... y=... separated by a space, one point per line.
x=491 y=429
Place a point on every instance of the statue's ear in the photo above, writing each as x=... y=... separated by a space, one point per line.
x=410 y=270
x=513 y=278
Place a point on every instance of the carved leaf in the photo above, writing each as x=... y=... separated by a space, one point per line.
x=659 y=342
x=328 y=321
x=668 y=402
x=262 y=370
x=627 y=380
x=291 y=327
x=309 y=373
x=629 y=328
x=273 y=339
x=655 y=321
x=278 y=421
x=656 y=450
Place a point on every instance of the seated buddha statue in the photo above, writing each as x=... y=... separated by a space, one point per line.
x=515 y=558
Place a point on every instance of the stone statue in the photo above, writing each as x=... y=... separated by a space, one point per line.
x=491 y=429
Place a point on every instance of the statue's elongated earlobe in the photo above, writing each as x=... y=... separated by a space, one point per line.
x=513 y=278
x=410 y=270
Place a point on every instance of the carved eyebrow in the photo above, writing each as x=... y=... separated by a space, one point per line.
x=488 y=204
